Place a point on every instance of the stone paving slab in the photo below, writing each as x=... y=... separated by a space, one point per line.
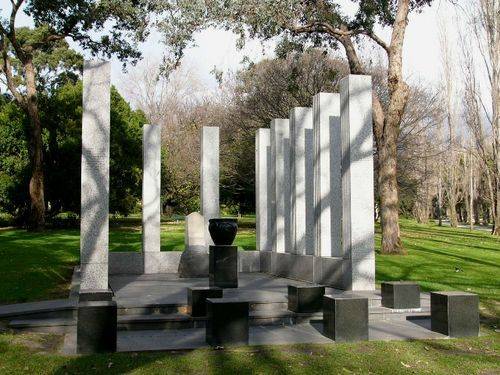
x=194 y=338
x=19 y=309
x=170 y=289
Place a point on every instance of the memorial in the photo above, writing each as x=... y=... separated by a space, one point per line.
x=194 y=258
x=223 y=257
x=400 y=295
x=94 y=223
x=345 y=318
x=197 y=299
x=305 y=298
x=96 y=327
x=455 y=314
x=227 y=322
x=151 y=192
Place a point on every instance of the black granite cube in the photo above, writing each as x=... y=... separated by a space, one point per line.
x=197 y=299
x=227 y=322
x=345 y=317
x=223 y=266
x=305 y=298
x=96 y=327
x=455 y=314
x=95 y=295
x=401 y=295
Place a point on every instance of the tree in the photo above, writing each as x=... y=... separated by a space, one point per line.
x=61 y=114
x=449 y=91
x=320 y=22
x=483 y=118
x=24 y=55
x=486 y=23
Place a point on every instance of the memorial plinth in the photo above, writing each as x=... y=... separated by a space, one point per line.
x=305 y=298
x=400 y=295
x=455 y=314
x=223 y=266
x=96 y=327
x=227 y=322
x=197 y=299
x=345 y=318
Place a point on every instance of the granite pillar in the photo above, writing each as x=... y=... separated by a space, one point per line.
x=280 y=159
x=357 y=182
x=302 y=181
x=262 y=193
x=151 y=206
x=327 y=175
x=209 y=186
x=94 y=227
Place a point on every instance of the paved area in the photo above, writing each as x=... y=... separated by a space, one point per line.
x=141 y=290
x=169 y=289
x=194 y=338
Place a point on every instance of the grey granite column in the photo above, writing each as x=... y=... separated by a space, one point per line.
x=262 y=194
x=302 y=176
x=327 y=187
x=280 y=154
x=94 y=227
x=357 y=182
x=209 y=186
x=151 y=206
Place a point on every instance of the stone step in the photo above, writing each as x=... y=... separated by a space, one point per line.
x=54 y=325
x=131 y=308
x=51 y=309
x=173 y=321
x=151 y=309
x=158 y=321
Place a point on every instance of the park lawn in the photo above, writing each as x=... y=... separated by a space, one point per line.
x=35 y=354
x=35 y=266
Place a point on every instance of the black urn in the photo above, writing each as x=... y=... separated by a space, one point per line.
x=223 y=230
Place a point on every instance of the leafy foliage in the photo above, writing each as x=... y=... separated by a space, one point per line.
x=61 y=114
x=315 y=22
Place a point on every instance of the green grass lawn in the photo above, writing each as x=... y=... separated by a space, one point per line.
x=36 y=266
x=28 y=354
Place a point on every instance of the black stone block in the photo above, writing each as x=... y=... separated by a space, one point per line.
x=223 y=266
x=95 y=295
x=455 y=314
x=345 y=318
x=197 y=299
x=400 y=295
x=96 y=327
x=227 y=322
x=305 y=299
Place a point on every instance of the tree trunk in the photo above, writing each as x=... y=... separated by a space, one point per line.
x=36 y=220
x=387 y=179
x=496 y=209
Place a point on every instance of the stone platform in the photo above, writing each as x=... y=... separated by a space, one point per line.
x=152 y=314
x=194 y=338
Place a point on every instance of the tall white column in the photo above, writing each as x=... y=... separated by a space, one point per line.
x=263 y=196
x=209 y=176
x=327 y=191
x=151 y=192
x=94 y=227
x=357 y=181
x=302 y=176
x=280 y=154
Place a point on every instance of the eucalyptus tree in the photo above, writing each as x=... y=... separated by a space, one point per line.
x=321 y=23
x=105 y=27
